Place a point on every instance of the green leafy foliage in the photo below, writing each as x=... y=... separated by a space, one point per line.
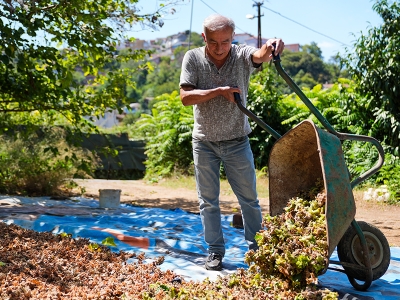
x=29 y=166
x=168 y=134
x=93 y=247
x=294 y=246
x=375 y=66
x=164 y=78
x=307 y=67
x=338 y=104
x=37 y=76
x=65 y=235
x=59 y=62
x=389 y=175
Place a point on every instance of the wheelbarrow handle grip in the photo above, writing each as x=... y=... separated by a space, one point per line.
x=275 y=57
x=237 y=98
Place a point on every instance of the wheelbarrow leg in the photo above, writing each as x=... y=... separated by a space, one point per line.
x=367 y=261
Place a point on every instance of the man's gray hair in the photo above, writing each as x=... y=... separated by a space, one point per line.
x=218 y=22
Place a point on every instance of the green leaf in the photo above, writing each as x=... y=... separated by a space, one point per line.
x=109 y=241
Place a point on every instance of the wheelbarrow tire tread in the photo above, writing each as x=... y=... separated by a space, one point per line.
x=345 y=251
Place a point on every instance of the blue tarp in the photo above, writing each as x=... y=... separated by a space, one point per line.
x=174 y=234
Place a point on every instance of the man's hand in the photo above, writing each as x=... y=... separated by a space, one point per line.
x=279 y=46
x=227 y=93
x=264 y=54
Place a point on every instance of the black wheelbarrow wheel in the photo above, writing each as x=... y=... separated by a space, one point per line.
x=350 y=251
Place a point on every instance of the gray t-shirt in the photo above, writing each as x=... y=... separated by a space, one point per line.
x=219 y=119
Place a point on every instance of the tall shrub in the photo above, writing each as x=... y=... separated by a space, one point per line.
x=40 y=164
x=375 y=66
x=168 y=135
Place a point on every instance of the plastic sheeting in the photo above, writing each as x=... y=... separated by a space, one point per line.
x=174 y=234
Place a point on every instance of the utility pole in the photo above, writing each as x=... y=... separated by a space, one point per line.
x=259 y=39
x=259 y=15
x=190 y=31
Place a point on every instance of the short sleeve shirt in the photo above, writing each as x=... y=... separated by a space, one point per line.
x=219 y=119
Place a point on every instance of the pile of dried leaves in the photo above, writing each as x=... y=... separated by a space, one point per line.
x=292 y=253
x=46 y=266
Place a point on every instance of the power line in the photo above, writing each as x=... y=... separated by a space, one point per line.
x=209 y=7
x=278 y=13
x=218 y=13
x=305 y=26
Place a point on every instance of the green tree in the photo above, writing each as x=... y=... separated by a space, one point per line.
x=306 y=67
x=375 y=66
x=134 y=93
x=337 y=69
x=164 y=79
x=196 y=40
x=43 y=43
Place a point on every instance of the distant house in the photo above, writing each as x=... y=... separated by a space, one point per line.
x=247 y=39
x=241 y=38
x=251 y=40
x=170 y=43
x=163 y=46
x=293 y=47
x=135 y=45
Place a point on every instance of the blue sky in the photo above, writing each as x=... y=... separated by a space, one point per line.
x=333 y=25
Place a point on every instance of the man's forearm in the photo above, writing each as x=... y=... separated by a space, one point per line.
x=192 y=96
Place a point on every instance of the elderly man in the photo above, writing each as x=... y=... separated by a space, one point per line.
x=209 y=78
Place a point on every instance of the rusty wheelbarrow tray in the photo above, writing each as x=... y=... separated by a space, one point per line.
x=306 y=154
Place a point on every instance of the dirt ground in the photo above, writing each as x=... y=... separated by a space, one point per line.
x=138 y=192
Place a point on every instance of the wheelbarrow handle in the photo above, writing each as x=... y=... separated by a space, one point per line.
x=378 y=146
x=277 y=62
x=252 y=116
x=328 y=126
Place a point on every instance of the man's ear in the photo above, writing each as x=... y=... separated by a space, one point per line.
x=204 y=37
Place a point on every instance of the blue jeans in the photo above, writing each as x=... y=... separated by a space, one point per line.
x=238 y=161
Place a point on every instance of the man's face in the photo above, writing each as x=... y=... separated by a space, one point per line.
x=218 y=42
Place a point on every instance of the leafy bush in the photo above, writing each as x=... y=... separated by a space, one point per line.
x=374 y=63
x=40 y=163
x=389 y=175
x=168 y=135
x=338 y=105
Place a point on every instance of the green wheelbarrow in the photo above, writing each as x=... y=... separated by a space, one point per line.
x=307 y=154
